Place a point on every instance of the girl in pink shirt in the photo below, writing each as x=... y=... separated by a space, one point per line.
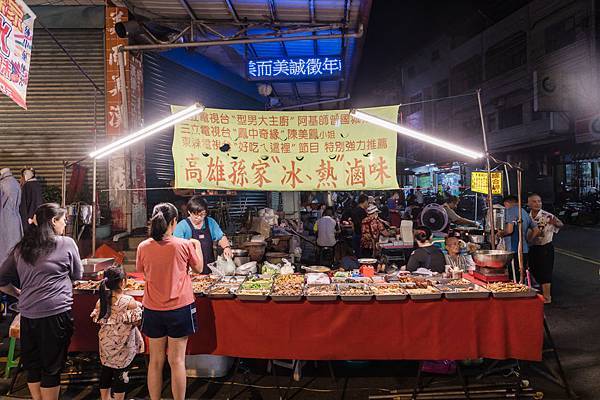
x=169 y=315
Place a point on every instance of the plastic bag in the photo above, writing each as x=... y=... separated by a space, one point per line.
x=287 y=268
x=222 y=267
x=246 y=269
x=270 y=269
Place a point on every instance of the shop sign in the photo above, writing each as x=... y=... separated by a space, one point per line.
x=115 y=118
x=284 y=151
x=16 y=37
x=479 y=182
x=297 y=68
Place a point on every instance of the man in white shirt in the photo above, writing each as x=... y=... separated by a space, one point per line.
x=541 y=251
x=326 y=228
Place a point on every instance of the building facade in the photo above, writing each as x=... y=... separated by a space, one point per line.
x=538 y=74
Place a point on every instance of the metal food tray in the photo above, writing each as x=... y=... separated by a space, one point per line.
x=252 y=297
x=346 y=297
x=445 y=281
x=428 y=296
x=280 y=298
x=229 y=295
x=480 y=293
x=506 y=295
x=329 y=297
x=391 y=297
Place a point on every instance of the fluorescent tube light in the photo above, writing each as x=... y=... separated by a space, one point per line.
x=147 y=131
x=415 y=134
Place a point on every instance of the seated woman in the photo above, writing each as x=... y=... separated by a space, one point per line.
x=455 y=258
x=426 y=255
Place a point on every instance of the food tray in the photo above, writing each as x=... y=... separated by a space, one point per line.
x=252 y=297
x=232 y=288
x=505 y=295
x=359 y=297
x=480 y=293
x=425 y=296
x=315 y=297
x=390 y=297
x=286 y=298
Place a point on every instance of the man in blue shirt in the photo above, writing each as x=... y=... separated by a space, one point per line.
x=511 y=233
x=203 y=228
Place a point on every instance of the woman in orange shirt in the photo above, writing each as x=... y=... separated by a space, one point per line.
x=169 y=315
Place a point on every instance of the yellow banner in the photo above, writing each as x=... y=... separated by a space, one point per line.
x=479 y=182
x=284 y=150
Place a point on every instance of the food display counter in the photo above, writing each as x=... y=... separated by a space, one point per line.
x=295 y=325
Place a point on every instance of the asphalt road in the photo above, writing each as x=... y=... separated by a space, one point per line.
x=573 y=318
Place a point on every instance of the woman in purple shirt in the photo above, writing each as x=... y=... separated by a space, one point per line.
x=45 y=264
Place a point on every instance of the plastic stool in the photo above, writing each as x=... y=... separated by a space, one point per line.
x=14 y=333
x=10 y=360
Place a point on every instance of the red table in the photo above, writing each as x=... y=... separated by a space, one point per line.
x=404 y=330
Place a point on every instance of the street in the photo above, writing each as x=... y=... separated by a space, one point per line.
x=573 y=317
x=573 y=320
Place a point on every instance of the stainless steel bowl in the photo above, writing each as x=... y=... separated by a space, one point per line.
x=492 y=258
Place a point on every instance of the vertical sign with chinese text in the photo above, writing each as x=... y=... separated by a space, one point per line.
x=479 y=182
x=114 y=99
x=16 y=37
x=284 y=151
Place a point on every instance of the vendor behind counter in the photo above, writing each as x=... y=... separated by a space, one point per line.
x=198 y=225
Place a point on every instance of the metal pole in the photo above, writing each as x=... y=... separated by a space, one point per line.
x=63 y=186
x=94 y=204
x=507 y=178
x=94 y=183
x=489 y=174
x=520 y=224
x=230 y=42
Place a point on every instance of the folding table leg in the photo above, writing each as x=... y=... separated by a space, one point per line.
x=561 y=372
x=236 y=364
x=463 y=382
x=417 y=386
x=294 y=365
x=272 y=365
x=334 y=381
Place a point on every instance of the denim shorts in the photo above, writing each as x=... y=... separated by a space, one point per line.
x=177 y=323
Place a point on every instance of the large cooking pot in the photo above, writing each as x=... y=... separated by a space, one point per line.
x=492 y=258
x=276 y=257
x=240 y=257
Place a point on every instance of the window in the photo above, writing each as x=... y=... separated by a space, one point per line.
x=435 y=55
x=466 y=75
x=510 y=116
x=491 y=121
x=472 y=126
x=560 y=34
x=410 y=71
x=441 y=89
x=416 y=107
x=506 y=55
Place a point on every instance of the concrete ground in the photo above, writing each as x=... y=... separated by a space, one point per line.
x=573 y=319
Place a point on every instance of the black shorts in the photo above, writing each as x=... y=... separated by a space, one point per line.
x=115 y=379
x=44 y=346
x=177 y=323
x=541 y=262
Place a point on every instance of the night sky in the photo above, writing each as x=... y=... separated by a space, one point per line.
x=398 y=27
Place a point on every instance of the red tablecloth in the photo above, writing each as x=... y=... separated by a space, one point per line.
x=428 y=330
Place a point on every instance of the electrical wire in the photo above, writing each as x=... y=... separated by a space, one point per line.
x=437 y=99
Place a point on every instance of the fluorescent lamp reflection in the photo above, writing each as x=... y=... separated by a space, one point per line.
x=147 y=131
x=415 y=134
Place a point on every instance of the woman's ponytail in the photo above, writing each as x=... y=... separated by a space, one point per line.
x=162 y=215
